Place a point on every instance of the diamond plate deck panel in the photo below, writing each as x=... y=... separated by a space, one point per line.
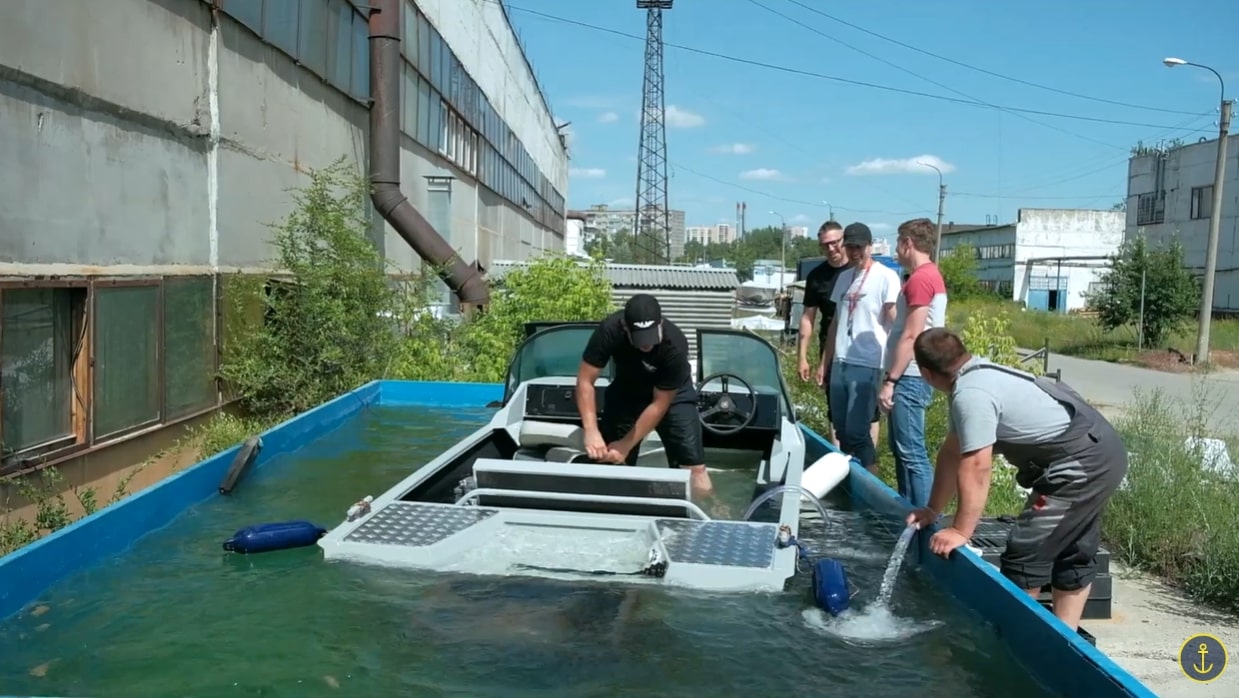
x=415 y=524
x=724 y=543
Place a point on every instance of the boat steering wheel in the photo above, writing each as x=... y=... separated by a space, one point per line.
x=726 y=404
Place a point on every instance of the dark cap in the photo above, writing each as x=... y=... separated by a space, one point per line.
x=642 y=315
x=857 y=235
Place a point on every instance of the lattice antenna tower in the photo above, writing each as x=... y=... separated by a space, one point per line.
x=652 y=229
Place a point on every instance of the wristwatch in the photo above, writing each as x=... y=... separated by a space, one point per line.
x=890 y=379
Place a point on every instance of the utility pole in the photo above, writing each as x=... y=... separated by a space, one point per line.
x=941 y=203
x=1215 y=216
x=652 y=236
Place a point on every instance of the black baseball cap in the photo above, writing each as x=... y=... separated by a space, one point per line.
x=857 y=235
x=642 y=315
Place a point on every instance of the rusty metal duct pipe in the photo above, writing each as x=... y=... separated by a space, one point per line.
x=463 y=279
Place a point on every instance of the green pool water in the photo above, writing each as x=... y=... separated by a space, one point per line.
x=176 y=616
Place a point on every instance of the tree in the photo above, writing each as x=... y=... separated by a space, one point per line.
x=959 y=270
x=1149 y=287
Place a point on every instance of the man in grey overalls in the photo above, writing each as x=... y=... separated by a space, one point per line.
x=1071 y=458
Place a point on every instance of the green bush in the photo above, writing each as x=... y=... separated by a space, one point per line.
x=550 y=288
x=325 y=329
x=1174 y=518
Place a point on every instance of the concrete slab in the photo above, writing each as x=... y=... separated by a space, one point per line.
x=1150 y=622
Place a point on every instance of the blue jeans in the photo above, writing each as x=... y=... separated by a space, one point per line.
x=906 y=428
x=853 y=398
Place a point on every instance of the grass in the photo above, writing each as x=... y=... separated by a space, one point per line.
x=1175 y=518
x=1081 y=336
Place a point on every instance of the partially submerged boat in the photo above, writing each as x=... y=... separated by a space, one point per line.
x=525 y=474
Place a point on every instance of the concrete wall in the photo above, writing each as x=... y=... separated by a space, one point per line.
x=1075 y=234
x=1185 y=168
x=137 y=138
x=106 y=128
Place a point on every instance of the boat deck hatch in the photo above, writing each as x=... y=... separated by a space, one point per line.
x=416 y=524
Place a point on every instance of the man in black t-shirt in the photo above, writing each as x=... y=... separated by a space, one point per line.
x=652 y=390
x=818 y=286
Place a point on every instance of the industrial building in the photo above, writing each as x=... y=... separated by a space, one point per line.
x=149 y=143
x=1170 y=195
x=1050 y=259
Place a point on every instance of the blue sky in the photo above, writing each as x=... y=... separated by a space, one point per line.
x=787 y=142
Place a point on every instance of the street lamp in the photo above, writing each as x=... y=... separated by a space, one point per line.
x=830 y=208
x=783 y=244
x=941 y=200
x=1215 y=215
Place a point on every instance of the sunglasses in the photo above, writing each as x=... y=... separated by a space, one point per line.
x=831 y=243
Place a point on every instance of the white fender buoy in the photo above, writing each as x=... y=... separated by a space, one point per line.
x=826 y=473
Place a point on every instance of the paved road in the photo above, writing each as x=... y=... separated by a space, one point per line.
x=1114 y=386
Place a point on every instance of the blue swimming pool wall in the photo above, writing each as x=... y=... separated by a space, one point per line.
x=1059 y=659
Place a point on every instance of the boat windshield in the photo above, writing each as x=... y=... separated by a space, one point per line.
x=548 y=352
x=741 y=354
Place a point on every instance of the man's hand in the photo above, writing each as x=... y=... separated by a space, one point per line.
x=945 y=541
x=923 y=518
x=595 y=445
x=804 y=370
x=820 y=379
x=886 y=397
x=617 y=452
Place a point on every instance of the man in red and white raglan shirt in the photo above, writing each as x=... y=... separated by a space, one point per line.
x=904 y=395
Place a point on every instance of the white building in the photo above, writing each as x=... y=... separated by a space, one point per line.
x=1049 y=258
x=798 y=231
x=146 y=161
x=1170 y=194
x=719 y=233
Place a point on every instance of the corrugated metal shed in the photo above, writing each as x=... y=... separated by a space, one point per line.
x=691 y=297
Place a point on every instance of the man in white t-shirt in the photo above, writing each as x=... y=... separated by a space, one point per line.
x=865 y=299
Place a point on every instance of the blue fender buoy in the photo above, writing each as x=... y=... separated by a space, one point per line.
x=266 y=537
x=830 y=586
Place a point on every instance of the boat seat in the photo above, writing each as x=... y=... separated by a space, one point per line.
x=550 y=441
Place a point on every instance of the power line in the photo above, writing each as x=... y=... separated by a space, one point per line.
x=948 y=88
x=969 y=66
x=776 y=197
x=1095 y=165
x=1035 y=198
x=831 y=78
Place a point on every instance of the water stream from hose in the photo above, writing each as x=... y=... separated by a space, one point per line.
x=892 y=567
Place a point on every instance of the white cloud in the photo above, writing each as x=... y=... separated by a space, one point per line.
x=761 y=173
x=620 y=202
x=608 y=117
x=682 y=118
x=587 y=172
x=880 y=226
x=800 y=218
x=734 y=149
x=676 y=117
x=912 y=165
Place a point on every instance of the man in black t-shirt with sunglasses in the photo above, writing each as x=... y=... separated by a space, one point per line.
x=818 y=285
